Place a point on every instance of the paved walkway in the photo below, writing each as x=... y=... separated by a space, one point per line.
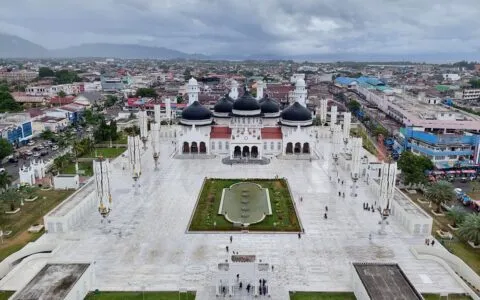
x=145 y=245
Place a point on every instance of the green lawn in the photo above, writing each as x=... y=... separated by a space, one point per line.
x=141 y=296
x=366 y=142
x=450 y=297
x=105 y=152
x=322 y=296
x=30 y=213
x=206 y=212
x=87 y=167
x=4 y=295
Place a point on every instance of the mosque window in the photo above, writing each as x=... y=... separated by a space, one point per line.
x=279 y=146
x=265 y=146
x=226 y=145
x=272 y=146
x=220 y=145
x=213 y=145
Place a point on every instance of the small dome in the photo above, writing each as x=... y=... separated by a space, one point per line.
x=296 y=112
x=224 y=105
x=269 y=105
x=246 y=102
x=196 y=112
x=300 y=82
x=192 y=81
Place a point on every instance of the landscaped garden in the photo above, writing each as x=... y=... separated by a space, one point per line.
x=140 y=296
x=104 y=152
x=4 y=295
x=30 y=213
x=283 y=218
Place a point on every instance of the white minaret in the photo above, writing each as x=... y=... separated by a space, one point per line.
x=168 y=109
x=156 y=111
x=192 y=90
x=356 y=144
x=333 y=115
x=323 y=110
x=337 y=139
x=234 y=90
x=155 y=138
x=143 y=125
x=101 y=173
x=134 y=159
x=260 y=87
x=300 y=92
x=347 y=120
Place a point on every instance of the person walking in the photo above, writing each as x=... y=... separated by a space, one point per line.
x=326 y=208
x=272 y=268
x=433 y=243
x=226 y=248
x=299 y=235
x=231 y=239
x=325 y=216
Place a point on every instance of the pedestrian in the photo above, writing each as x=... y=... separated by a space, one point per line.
x=301 y=199
x=240 y=285
x=231 y=239
x=325 y=216
x=272 y=268
x=299 y=236
x=426 y=241
x=370 y=236
x=339 y=194
x=238 y=277
x=343 y=195
x=433 y=243
x=342 y=182
x=326 y=208
x=226 y=248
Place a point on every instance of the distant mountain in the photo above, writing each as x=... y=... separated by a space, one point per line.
x=13 y=46
x=122 y=51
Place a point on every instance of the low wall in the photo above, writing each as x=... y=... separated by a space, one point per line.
x=31 y=248
x=454 y=265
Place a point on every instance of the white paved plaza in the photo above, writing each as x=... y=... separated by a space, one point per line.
x=146 y=244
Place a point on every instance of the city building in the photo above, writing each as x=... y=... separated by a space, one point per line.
x=246 y=127
x=20 y=75
x=51 y=91
x=468 y=94
x=16 y=127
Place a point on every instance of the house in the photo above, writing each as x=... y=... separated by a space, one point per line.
x=89 y=98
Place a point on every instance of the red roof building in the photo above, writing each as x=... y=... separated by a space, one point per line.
x=272 y=133
x=220 y=132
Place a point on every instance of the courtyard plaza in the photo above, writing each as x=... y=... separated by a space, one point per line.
x=146 y=245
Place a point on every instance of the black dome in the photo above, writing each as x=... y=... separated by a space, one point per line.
x=296 y=112
x=246 y=102
x=224 y=105
x=195 y=112
x=269 y=105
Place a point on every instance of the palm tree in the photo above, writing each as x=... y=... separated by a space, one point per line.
x=470 y=228
x=440 y=192
x=457 y=215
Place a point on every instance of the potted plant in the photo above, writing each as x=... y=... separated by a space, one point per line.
x=470 y=230
x=456 y=215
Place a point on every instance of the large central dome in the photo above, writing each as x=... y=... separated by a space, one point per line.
x=246 y=103
x=196 y=112
x=297 y=113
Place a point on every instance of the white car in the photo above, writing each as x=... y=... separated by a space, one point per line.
x=2 y=170
x=55 y=147
x=36 y=154
x=31 y=143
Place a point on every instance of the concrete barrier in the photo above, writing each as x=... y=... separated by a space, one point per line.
x=31 y=248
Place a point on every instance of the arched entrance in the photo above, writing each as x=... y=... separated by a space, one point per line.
x=254 y=152
x=237 y=152
x=194 y=147
x=186 y=148
x=306 y=148
x=246 y=151
x=296 y=150
x=289 y=149
x=203 y=147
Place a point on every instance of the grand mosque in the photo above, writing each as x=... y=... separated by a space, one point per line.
x=246 y=127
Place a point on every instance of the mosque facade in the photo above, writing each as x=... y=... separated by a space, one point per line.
x=247 y=127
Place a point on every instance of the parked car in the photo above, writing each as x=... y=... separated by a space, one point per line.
x=13 y=160
x=2 y=170
x=463 y=179
x=28 y=152
x=44 y=152
x=49 y=143
x=36 y=154
x=31 y=143
x=55 y=147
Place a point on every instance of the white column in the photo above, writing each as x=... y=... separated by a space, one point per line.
x=168 y=109
x=387 y=184
x=333 y=116
x=155 y=138
x=356 y=144
x=143 y=123
x=134 y=155
x=347 y=116
x=337 y=139
x=323 y=110
x=156 y=110
x=300 y=92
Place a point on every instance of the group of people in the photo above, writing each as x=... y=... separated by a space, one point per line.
x=262 y=287
x=325 y=216
x=429 y=242
x=369 y=207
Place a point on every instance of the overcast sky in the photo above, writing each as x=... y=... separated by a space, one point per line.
x=291 y=27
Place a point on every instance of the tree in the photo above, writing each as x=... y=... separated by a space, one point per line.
x=179 y=99
x=354 y=106
x=134 y=130
x=146 y=92
x=475 y=83
x=45 y=72
x=470 y=228
x=457 y=215
x=47 y=135
x=5 y=148
x=110 y=101
x=5 y=180
x=66 y=76
x=440 y=192
x=7 y=102
x=61 y=94
x=413 y=167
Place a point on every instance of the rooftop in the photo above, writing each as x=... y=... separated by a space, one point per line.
x=385 y=281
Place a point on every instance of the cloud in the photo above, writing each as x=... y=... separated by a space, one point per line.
x=282 y=27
